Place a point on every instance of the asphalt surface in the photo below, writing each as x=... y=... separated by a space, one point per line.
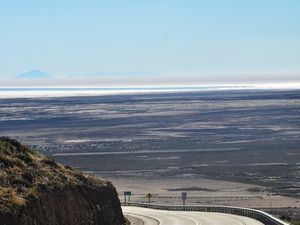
x=161 y=217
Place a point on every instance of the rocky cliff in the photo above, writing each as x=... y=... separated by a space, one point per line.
x=35 y=190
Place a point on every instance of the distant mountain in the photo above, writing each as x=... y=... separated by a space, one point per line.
x=122 y=74
x=34 y=74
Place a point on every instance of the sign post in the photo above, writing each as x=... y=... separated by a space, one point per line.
x=149 y=196
x=127 y=193
x=183 y=197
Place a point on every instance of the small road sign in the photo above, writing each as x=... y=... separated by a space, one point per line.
x=183 y=197
x=149 y=196
x=127 y=193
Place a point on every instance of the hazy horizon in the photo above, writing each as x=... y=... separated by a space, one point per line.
x=151 y=42
x=144 y=82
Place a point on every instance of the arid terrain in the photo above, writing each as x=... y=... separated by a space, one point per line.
x=224 y=147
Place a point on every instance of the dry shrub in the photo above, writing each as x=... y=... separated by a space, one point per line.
x=2 y=192
x=33 y=192
x=15 y=200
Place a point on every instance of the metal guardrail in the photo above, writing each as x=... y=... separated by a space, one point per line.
x=261 y=216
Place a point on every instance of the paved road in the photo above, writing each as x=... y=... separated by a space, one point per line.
x=161 y=217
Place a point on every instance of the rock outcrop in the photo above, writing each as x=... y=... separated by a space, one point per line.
x=35 y=190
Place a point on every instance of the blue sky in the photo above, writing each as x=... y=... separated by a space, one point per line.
x=181 y=37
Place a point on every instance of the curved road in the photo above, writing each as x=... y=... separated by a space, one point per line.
x=161 y=217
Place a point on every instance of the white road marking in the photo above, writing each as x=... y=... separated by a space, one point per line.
x=146 y=219
x=162 y=217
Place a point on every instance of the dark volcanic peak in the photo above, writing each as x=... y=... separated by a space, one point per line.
x=34 y=189
x=34 y=74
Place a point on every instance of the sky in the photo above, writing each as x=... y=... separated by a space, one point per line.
x=179 y=39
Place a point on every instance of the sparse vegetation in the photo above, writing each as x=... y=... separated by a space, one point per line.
x=15 y=200
x=33 y=192
x=50 y=162
x=25 y=173
x=2 y=192
x=289 y=220
x=294 y=222
x=32 y=184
